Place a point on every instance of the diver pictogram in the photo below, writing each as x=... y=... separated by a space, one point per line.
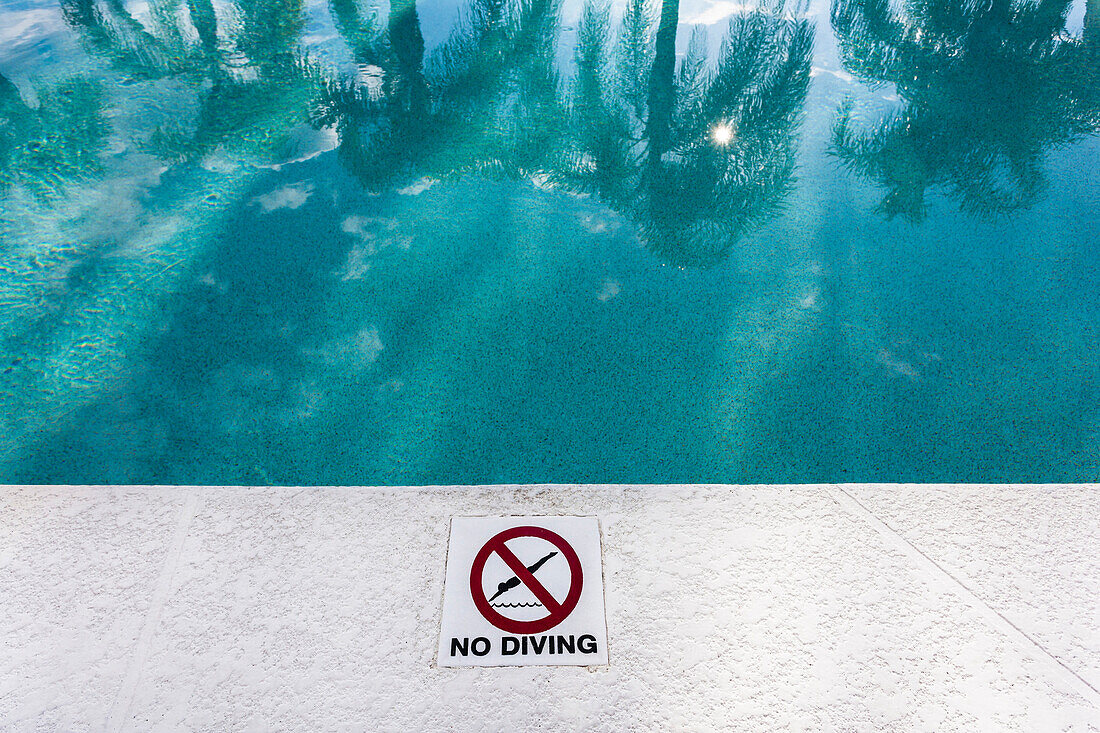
x=513 y=582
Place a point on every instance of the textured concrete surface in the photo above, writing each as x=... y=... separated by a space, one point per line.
x=748 y=608
x=1035 y=558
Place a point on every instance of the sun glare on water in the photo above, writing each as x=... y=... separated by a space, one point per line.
x=722 y=134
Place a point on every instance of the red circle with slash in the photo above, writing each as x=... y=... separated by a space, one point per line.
x=558 y=611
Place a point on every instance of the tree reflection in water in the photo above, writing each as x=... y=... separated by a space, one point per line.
x=246 y=67
x=696 y=152
x=486 y=101
x=695 y=155
x=988 y=87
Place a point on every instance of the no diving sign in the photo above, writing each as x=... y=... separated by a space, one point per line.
x=523 y=590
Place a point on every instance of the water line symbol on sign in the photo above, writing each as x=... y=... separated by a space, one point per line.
x=524 y=575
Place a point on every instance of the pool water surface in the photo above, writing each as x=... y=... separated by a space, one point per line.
x=524 y=241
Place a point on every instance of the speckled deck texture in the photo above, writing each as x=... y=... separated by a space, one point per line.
x=848 y=608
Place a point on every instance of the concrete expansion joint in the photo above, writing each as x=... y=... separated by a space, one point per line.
x=935 y=570
x=119 y=718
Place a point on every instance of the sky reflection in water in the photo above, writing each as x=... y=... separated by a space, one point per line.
x=521 y=241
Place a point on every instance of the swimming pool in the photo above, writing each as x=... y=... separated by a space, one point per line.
x=299 y=242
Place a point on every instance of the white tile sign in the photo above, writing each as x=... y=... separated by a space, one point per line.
x=523 y=590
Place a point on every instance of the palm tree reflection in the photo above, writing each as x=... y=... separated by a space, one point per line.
x=697 y=156
x=381 y=113
x=988 y=88
x=486 y=101
x=252 y=81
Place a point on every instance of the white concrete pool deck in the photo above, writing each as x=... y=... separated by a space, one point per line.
x=870 y=607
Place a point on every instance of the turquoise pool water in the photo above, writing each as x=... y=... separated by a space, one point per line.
x=299 y=242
